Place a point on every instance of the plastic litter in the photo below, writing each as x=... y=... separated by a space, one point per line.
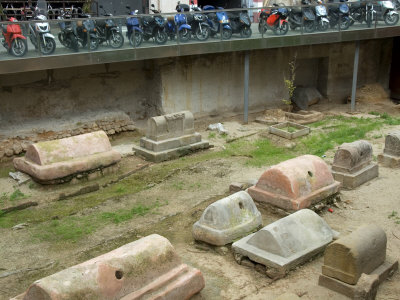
x=217 y=127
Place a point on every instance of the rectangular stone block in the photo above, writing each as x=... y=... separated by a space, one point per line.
x=148 y=268
x=286 y=243
x=353 y=180
x=389 y=161
x=303 y=117
x=391 y=154
x=278 y=130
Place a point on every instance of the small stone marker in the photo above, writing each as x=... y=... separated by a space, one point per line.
x=304 y=117
x=51 y=160
x=170 y=136
x=286 y=243
x=227 y=220
x=354 y=265
x=295 y=184
x=148 y=268
x=352 y=165
x=391 y=154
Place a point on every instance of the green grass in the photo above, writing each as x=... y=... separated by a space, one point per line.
x=211 y=135
x=17 y=195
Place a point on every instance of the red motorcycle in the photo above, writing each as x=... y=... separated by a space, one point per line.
x=14 y=41
x=275 y=19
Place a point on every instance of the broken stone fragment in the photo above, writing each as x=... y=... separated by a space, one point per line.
x=295 y=184
x=227 y=220
x=148 y=268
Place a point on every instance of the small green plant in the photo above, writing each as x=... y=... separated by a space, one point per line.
x=32 y=185
x=290 y=83
x=3 y=197
x=178 y=185
x=395 y=217
x=211 y=135
x=17 y=195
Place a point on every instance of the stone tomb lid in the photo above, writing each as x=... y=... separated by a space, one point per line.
x=352 y=157
x=285 y=241
x=392 y=144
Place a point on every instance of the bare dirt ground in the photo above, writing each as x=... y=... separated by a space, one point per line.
x=178 y=200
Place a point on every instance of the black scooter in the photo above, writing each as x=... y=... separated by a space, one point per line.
x=305 y=16
x=154 y=27
x=109 y=32
x=240 y=23
x=198 y=21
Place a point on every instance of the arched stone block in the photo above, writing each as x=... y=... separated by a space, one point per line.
x=295 y=184
x=51 y=160
x=287 y=242
x=148 y=268
x=170 y=136
x=352 y=165
x=227 y=219
x=391 y=154
x=362 y=251
x=356 y=264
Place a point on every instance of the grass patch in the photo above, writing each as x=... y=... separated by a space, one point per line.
x=125 y=215
x=289 y=129
x=211 y=135
x=17 y=195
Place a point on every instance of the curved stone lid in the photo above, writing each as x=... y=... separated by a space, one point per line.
x=351 y=157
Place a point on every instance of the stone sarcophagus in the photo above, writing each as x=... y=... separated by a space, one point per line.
x=391 y=154
x=286 y=243
x=227 y=220
x=148 y=268
x=356 y=264
x=49 y=161
x=170 y=136
x=353 y=165
x=295 y=184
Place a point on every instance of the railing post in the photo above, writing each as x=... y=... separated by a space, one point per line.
x=355 y=73
x=246 y=87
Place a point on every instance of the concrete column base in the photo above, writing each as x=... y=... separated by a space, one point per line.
x=351 y=181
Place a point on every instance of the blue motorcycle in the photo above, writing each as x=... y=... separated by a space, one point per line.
x=179 y=22
x=217 y=19
x=134 y=33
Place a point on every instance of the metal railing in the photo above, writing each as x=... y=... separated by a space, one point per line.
x=115 y=33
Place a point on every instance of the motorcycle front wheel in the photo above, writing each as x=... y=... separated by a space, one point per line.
x=344 y=24
x=184 y=35
x=226 y=34
x=49 y=46
x=161 y=37
x=309 y=26
x=136 y=39
x=116 y=40
x=281 y=30
x=391 y=20
x=262 y=28
x=245 y=32
x=202 y=34
x=94 y=44
x=323 y=26
x=19 y=47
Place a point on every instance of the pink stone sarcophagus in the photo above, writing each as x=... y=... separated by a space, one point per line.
x=295 y=184
x=52 y=160
x=148 y=268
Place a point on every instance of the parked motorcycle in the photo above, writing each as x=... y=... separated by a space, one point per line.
x=40 y=32
x=180 y=24
x=216 y=20
x=370 y=13
x=240 y=23
x=302 y=16
x=385 y=10
x=134 y=32
x=13 y=40
x=198 y=22
x=107 y=31
x=87 y=32
x=357 y=12
x=67 y=36
x=339 y=15
x=321 y=14
x=154 y=27
x=275 y=19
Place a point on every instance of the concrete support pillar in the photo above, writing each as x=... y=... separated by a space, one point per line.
x=246 y=87
x=355 y=73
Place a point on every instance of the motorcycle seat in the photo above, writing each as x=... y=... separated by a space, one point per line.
x=296 y=10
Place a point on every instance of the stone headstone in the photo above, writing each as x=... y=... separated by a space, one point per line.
x=170 y=136
x=356 y=264
x=352 y=165
x=295 y=184
x=148 y=268
x=51 y=160
x=227 y=219
x=391 y=154
x=287 y=242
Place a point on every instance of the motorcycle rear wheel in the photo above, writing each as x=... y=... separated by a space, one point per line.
x=184 y=35
x=391 y=20
x=19 y=47
x=262 y=28
x=136 y=39
x=323 y=26
x=116 y=40
x=245 y=32
x=281 y=30
x=50 y=46
x=226 y=34
x=344 y=24
x=94 y=44
x=309 y=27
x=202 y=34
x=161 y=37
